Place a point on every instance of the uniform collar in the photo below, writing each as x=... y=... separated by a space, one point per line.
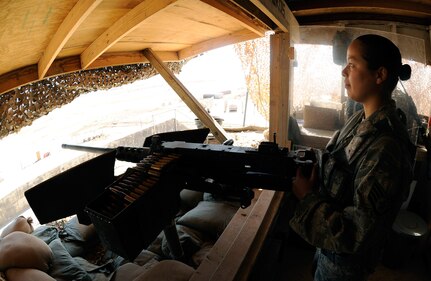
x=372 y=123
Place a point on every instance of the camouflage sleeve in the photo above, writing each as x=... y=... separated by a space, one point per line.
x=378 y=191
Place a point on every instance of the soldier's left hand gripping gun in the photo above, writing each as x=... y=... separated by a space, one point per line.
x=229 y=171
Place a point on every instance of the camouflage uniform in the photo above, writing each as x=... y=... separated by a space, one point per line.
x=365 y=174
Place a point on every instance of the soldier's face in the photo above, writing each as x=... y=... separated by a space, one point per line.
x=360 y=82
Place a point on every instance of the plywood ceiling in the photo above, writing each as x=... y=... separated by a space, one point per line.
x=45 y=38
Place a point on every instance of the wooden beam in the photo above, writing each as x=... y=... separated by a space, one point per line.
x=29 y=74
x=376 y=5
x=280 y=76
x=255 y=11
x=429 y=50
x=70 y=24
x=280 y=14
x=231 y=38
x=121 y=28
x=236 y=250
x=186 y=96
x=19 y=77
x=130 y=58
x=323 y=12
x=238 y=14
x=314 y=18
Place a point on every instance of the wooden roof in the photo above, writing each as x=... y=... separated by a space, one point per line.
x=44 y=38
x=50 y=37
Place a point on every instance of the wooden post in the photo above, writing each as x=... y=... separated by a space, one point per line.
x=280 y=75
x=218 y=132
x=236 y=250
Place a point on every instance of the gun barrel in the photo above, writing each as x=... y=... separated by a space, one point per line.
x=87 y=148
x=123 y=153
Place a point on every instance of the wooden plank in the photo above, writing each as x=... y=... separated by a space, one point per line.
x=252 y=237
x=280 y=14
x=122 y=27
x=73 y=20
x=29 y=74
x=195 y=22
x=215 y=257
x=280 y=75
x=122 y=58
x=71 y=64
x=429 y=49
x=395 y=6
x=237 y=13
x=231 y=38
x=26 y=28
x=186 y=96
x=19 y=77
x=235 y=252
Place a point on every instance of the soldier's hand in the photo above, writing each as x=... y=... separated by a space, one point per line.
x=302 y=185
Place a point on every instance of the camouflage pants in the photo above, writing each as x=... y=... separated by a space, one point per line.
x=333 y=267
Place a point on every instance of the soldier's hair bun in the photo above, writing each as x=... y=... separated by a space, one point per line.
x=405 y=72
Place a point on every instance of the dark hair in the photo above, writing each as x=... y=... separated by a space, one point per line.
x=379 y=51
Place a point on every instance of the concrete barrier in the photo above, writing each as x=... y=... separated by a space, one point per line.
x=15 y=203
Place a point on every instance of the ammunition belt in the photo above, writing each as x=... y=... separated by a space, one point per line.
x=136 y=182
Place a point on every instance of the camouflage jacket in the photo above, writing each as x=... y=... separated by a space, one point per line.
x=365 y=175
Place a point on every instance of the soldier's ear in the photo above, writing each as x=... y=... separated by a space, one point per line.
x=381 y=75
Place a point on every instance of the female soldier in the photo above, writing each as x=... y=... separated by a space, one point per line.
x=365 y=170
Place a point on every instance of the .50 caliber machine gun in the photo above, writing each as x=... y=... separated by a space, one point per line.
x=130 y=210
x=222 y=169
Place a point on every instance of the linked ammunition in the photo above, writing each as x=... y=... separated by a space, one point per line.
x=122 y=195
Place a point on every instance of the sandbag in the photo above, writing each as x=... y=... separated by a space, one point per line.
x=167 y=270
x=27 y=274
x=127 y=272
x=209 y=217
x=190 y=199
x=19 y=249
x=19 y=224
x=190 y=241
x=64 y=266
x=144 y=257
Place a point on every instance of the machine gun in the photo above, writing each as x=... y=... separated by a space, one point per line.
x=130 y=210
x=226 y=170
